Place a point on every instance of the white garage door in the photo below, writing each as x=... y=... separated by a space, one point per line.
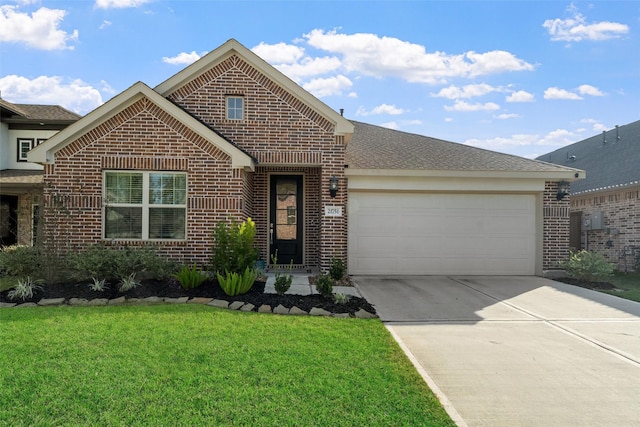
x=419 y=233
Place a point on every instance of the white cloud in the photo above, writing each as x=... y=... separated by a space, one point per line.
x=590 y=90
x=308 y=67
x=322 y=87
x=376 y=56
x=390 y=125
x=520 y=96
x=576 y=28
x=381 y=109
x=105 y=24
x=119 y=4
x=279 y=53
x=183 y=58
x=554 y=139
x=40 y=30
x=466 y=107
x=468 y=91
x=74 y=95
x=506 y=116
x=596 y=125
x=556 y=93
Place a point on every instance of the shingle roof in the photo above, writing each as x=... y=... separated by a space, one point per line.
x=47 y=112
x=375 y=147
x=610 y=164
x=34 y=112
x=20 y=176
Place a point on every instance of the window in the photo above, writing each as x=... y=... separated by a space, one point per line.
x=145 y=205
x=24 y=145
x=235 y=108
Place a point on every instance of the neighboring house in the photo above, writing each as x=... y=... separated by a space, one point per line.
x=605 y=207
x=23 y=127
x=231 y=137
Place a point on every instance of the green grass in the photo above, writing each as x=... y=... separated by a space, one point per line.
x=188 y=365
x=628 y=285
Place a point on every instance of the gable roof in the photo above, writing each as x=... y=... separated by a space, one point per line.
x=45 y=153
x=231 y=47
x=611 y=159
x=377 y=148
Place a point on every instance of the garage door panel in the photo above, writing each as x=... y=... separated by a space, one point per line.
x=415 y=233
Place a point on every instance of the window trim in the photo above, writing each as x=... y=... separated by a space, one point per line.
x=21 y=142
x=144 y=205
x=228 y=109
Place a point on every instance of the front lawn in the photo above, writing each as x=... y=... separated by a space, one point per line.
x=187 y=365
x=627 y=285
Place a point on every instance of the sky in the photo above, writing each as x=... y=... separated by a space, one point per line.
x=518 y=77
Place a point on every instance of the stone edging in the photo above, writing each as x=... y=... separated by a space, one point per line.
x=235 y=305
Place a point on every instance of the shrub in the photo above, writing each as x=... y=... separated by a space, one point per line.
x=588 y=266
x=190 y=278
x=337 y=269
x=233 y=249
x=128 y=283
x=324 y=285
x=98 y=285
x=118 y=264
x=20 y=260
x=283 y=281
x=25 y=289
x=341 y=298
x=233 y=283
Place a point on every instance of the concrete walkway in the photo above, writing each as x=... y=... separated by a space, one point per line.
x=517 y=351
x=300 y=286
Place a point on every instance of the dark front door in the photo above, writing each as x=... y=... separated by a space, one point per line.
x=285 y=228
x=8 y=220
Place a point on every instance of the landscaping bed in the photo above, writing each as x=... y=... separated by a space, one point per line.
x=208 y=289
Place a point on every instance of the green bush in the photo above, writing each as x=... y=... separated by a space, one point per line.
x=282 y=281
x=233 y=248
x=588 y=266
x=337 y=269
x=190 y=278
x=21 y=261
x=324 y=285
x=103 y=262
x=233 y=283
x=128 y=283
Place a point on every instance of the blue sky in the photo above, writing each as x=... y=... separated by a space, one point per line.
x=518 y=77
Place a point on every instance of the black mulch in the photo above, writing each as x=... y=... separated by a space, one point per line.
x=588 y=285
x=209 y=289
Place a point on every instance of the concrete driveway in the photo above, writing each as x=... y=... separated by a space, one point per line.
x=517 y=351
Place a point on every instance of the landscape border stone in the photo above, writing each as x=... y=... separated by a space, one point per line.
x=235 y=305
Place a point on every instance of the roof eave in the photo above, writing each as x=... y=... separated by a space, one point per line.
x=564 y=175
x=45 y=153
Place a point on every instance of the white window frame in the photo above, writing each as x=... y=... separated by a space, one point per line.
x=228 y=109
x=28 y=142
x=145 y=205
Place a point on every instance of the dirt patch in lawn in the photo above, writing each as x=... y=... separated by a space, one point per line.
x=209 y=289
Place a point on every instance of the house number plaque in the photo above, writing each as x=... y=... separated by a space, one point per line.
x=333 y=211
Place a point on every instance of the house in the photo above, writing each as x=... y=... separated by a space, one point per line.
x=231 y=137
x=23 y=127
x=605 y=207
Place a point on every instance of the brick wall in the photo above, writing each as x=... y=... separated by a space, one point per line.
x=621 y=212
x=143 y=137
x=286 y=136
x=555 y=246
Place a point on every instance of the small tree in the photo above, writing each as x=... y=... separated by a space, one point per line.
x=233 y=249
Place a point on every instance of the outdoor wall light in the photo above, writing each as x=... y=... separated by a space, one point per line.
x=333 y=186
x=563 y=190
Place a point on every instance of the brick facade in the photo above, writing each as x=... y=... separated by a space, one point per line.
x=555 y=246
x=621 y=228
x=284 y=135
